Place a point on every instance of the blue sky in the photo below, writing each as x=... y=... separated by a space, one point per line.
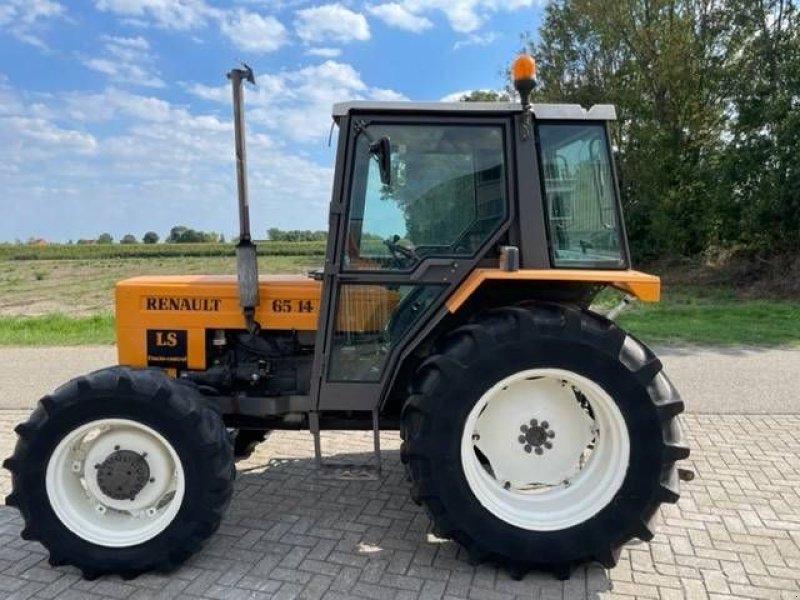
x=115 y=114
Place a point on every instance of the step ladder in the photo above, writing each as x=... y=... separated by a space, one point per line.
x=347 y=471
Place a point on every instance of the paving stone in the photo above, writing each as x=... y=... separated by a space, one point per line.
x=290 y=534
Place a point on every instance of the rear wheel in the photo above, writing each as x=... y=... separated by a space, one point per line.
x=122 y=471
x=542 y=437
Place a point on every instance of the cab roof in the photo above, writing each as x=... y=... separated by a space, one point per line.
x=598 y=112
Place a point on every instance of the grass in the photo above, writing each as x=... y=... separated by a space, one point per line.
x=84 y=287
x=716 y=316
x=69 y=301
x=684 y=316
x=56 y=330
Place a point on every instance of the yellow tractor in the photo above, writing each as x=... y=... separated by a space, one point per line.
x=466 y=243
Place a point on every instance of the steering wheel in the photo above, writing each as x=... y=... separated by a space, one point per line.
x=402 y=256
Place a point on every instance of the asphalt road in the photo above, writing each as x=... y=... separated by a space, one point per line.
x=737 y=380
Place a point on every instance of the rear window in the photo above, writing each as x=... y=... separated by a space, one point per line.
x=580 y=195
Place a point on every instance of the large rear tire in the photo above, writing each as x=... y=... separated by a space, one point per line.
x=121 y=471
x=542 y=437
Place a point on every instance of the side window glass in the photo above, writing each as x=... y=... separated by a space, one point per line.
x=580 y=196
x=370 y=321
x=445 y=195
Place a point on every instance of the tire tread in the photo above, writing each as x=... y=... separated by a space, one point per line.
x=143 y=385
x=457 y=353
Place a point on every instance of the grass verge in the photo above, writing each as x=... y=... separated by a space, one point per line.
x=57 y=330
x=758 y=322
x=714 y=315
x=687 y=314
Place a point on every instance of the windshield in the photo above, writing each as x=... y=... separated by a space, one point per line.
x=580 y=195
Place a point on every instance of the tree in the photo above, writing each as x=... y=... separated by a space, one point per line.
x=296 y=235
x=708 y=98
x=180 y=234
x=129 y=238
x=485 y=96
x=759 y=203
x=661 y=62
x=105 y=238
x=151 y=237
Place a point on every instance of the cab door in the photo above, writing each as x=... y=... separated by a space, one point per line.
x=404 y=230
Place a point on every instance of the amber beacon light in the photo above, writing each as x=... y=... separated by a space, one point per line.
x=523 y=72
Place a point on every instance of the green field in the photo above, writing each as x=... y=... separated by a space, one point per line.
x=22 y=252
x=84 y=287
x=63 y=295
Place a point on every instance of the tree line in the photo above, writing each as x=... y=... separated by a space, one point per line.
x=180 y=234
x=708 y=99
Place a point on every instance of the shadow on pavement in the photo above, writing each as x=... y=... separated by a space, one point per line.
x=299 y=532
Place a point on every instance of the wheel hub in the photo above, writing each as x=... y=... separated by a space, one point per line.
x=123 y=474
x=536 y=436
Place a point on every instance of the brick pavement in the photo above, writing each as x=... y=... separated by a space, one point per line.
x=292 y=534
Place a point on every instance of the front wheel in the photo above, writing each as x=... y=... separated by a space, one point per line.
x=122 y=471
x=542 y=437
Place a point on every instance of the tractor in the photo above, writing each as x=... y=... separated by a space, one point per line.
x=466 y=244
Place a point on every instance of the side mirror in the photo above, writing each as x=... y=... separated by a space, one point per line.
x=382 y=151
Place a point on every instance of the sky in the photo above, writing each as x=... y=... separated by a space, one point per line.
x=115 y=115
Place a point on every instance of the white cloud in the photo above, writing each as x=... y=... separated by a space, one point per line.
x=464 y=16
x=296 y=104
x=166 y=14
x=151 y=165
x=457 y=96
x=247 y=30
x=384 y=95
x=252 y=32
x=454 y=96
x=477 y=39
x=24 y=19
x=126 y=60
x=397 y=15
x=330 y=22
x=136 y=161
x=324 y=52
x=219 y=93
x=42 y=130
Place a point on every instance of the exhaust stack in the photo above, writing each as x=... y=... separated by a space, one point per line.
x=246 y=259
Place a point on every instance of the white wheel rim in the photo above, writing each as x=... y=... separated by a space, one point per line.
x=563 y=469
x=77 y=497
